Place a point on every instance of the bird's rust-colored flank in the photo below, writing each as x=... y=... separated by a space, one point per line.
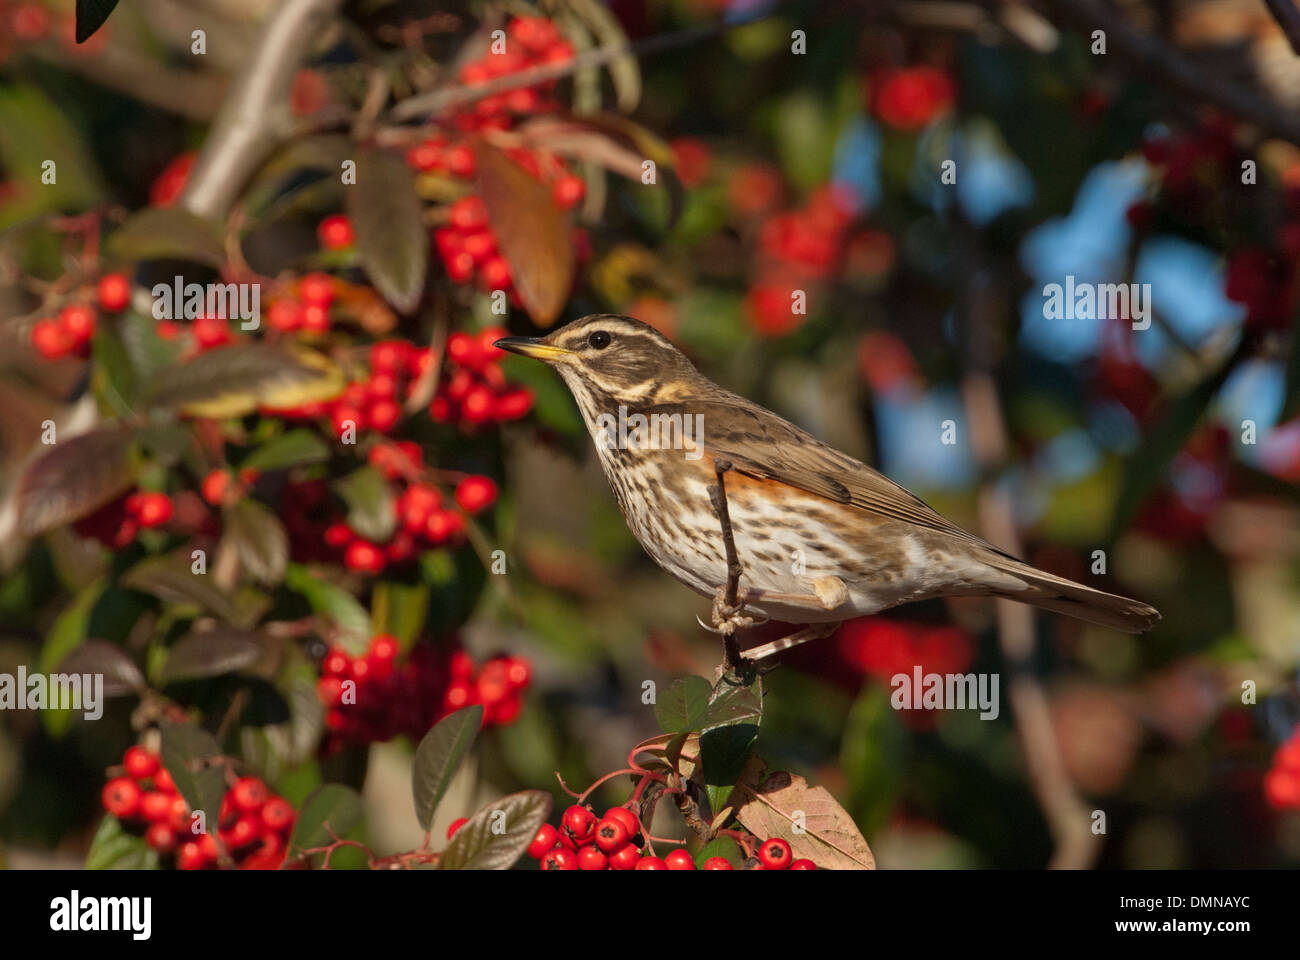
x=821 y=536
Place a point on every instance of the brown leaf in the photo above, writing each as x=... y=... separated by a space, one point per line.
x=766 y=803
x=532 y=232
x=75 y=477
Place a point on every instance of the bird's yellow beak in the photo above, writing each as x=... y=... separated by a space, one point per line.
x=532 y=347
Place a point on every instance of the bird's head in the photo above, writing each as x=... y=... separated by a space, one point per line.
x=607 y=360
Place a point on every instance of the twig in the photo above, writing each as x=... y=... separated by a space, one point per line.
x=255 y=117
x=1287 y=15
x=1152 y=56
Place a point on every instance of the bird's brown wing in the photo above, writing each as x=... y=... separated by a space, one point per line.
x=759 y=443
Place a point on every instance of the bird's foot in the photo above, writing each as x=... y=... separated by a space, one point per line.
x=728 y=618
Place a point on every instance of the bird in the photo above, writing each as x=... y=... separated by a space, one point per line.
x=819 y=536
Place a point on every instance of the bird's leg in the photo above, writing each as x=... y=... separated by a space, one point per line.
x=814 y=631
x=829 y=593
x=727 y=605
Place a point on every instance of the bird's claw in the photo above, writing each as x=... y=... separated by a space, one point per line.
x=727 y=619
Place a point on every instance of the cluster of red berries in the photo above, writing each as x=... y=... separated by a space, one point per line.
x=1282 y=782
x=798 y=249
x=253 y=826
x=307 y=308
x=615 y=842
x=473 y=390
x=71 y=330
x=909 y=98
x=375 y=697
x=116 y=523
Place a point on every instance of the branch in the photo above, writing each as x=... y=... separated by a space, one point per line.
x=1151 y=56
x=1287 y=15
x=255 y=117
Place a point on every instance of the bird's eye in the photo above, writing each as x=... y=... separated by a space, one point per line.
x=598 y=340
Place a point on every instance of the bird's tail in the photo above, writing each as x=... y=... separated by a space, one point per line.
x=1059 y=595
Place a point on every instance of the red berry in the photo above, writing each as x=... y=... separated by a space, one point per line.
x=589 y=858
x=468 y=213
x=78 y=322
x=162 y=780
x=317 y=288
x=717 y=863
x=315 y=318
x=476 y=493
x=568 y=191
x=113 y=292
x=364 y=557
x=560 y=858
x=161 y=837
x=496 y=273
x=215 y=486
x=460 y=161
x=384 y=415
x=249 y=794
x=545 y=839
x=774 y=854
x=443 y=525
x=153 y=510
x=30 y=21
x=285 y=315
x=211 y=332
x=335 y=232
x=179 y=815
x=611 y=835
x=139 y=762
x=277 y=814
x=651 y=863
x=190 y=856
x=624 y=816
x=336 y=662
x=384 y=646
x=121 y=797
x=578 y=823
x=156 y=806
x=50 y=339
x=625 y=858
x=245 y=832
x=456 y=825
x=803 y=863
x=680 y=860
x=329 y=691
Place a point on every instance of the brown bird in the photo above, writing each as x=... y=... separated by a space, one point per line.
x=820 y=536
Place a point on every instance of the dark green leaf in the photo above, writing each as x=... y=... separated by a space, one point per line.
x=370 y=503
x=212 y=653
x=148 y=352
x=732 y=702
x=724 y=847
x=260 y=539
x=115 y=849
x=439 y=757
x=392 y=240
x=684 y=705
x=190 y=755
x=724 y=752
x=334 y=604
x=75 y=477
x=171 y=578
x=121 y=675
x=332 y=807
x=91 y=15
x=295 y=448
x=496 y=837
x=232 y=380
x=169 y=233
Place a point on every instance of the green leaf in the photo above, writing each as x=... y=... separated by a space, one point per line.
x=332 y=807
x=232 y=381
x=75 y=477
x=724 y=847
x=260 y=539
x=121 y=675
x=167 y=233
x=190 y=753
x=295 y=448
x=115 y=849
x=724 y=751
x=370 y=503
x=33 y=130
x=66 y=635
x=334 y=604
x=496 y=837
x=148 y=352
x=684 y=705
x=399 y=609
x=171 y=579
x=439 y=756
x=91 y=15
x=392 y=240
x=732 y=702
x=211 y=653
